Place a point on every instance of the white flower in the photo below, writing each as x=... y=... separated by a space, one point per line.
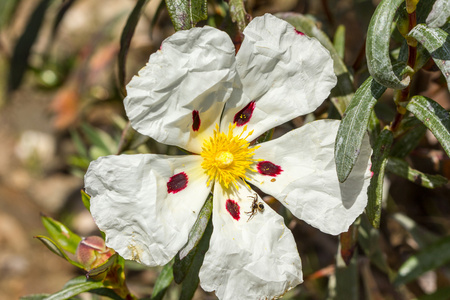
x=197 y=94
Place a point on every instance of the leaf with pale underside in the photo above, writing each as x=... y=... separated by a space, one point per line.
x=377 y=46
x=437 y=43
x=375 y=191
x=439 y=14
x=353 y=126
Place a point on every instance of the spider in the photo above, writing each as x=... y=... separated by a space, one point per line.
x=255 y=207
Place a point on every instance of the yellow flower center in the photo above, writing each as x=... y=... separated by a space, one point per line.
x=226 y=157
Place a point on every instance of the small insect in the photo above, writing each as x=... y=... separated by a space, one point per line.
x=255 y=207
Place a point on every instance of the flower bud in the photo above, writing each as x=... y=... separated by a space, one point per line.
x=92 y=252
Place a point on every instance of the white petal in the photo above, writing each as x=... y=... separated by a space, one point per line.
x=131 y=204
x=249 y=259
x=308 y=184
x=286 y=74
x=194 y=70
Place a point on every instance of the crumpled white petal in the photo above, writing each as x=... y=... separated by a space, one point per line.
x=131 y=204
x=308 y=185
x=194 y=70
x=254 y=259
x=439 y=14
x=286 y=73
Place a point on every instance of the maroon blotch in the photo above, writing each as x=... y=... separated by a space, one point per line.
x=298 y=32
x=244 y=115
x=233 y=208
x=268 y=168
x=195 y=120
x=177 y=183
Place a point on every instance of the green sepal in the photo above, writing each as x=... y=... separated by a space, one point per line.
x=102 y=268
x=435 y=118
x=375 y=190
x=353 y=127
x=185 y=14
x=61 y=234
x=55 y=248
x=377 y=46
x=401 y=168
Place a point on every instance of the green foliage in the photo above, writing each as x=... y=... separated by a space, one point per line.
x=186 y=14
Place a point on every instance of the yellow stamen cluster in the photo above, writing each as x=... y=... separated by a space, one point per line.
x=226 y=157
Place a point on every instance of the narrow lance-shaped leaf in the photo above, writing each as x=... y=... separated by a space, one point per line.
x=431 y=257
x=342 y=93
x=439 y=14
x=191 y=281
x=163 y=281
x=353 y=126
x=436 y=41
x=86 y=200
x=125 y=40
x=64 y=236
x=401 y=168
x=434 y=116
x=339 y=41
x=19 y=60
x=74 y=290
x=411 y=131
x=423 y=237
x=375 y=190
x=197 y=231
x=377 y=45
x=185 y=14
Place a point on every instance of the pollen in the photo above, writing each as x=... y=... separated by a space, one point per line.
x=226 y=157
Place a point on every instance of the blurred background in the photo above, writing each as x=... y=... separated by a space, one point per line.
x=61 y=107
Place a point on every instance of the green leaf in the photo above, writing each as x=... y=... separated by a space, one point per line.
x=197 y=231
x=86 y=200
x=422 y=236
x=163 y=281
x=104 y=143
x=375 y=190
x=411 y=131
x=61 y=234
x=35 y=297
x=440 y=294
x=436 y=41
x=339 y=41
x=429 y=258
x=76 y=289
x=185 y=14
x=342 y=93
x=238 y=13
x=377 y=45
x=191 y=280
x=55 y=248
x=401 y=168
x=7 y=9
x=22 y=49
x=344 y=283
x=79 y=145
x=125 y=41
x=353 y=126
x=439 y=14
x=434 y=116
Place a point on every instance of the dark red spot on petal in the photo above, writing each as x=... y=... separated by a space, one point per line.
x=177 y=183
x=268 y=168
x=298 y=32
x=195 y=120
x=244 y=115
x=234 y=209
